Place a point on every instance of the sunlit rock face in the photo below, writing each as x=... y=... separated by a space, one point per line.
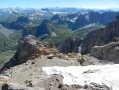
x=86 y=75
x=109 y=52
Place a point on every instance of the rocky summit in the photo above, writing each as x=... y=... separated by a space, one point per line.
x=29 y=48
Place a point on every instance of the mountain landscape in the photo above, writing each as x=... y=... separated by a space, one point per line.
x=59 y=49
x=77 y=23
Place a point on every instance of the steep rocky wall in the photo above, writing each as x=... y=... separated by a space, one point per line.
x=101 y=37
x=71 y=45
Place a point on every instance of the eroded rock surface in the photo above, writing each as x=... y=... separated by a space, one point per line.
x=109 y=52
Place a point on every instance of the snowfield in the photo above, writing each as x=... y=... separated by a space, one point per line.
x=104 y=74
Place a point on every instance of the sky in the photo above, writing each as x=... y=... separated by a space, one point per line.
x=59 y=3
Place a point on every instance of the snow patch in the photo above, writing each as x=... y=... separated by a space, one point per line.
x=81 y=75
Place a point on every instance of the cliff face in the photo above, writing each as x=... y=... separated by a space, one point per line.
x=71 y=45
x=101 y=37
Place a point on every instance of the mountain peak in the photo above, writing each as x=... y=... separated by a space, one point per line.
x=46 y=21
x=55 y=17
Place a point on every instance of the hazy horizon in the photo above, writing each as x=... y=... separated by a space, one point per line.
x=61 y=7
x=91 y=4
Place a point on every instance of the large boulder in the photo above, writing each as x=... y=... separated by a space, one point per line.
x=27 y=46
x=108 y=52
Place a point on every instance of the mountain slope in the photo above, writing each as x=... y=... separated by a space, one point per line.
x=8 y=38
x=94 y=17
x=101 y=36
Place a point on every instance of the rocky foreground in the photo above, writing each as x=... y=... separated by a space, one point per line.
x=24 y=71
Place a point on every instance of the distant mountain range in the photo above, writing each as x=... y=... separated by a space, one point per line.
x=52 y=24
x=10 y=14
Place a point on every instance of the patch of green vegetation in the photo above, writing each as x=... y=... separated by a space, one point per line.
x=83 y=31
x=8 y=46
x=2 y=42
x=62 y=33
x=12 y=41
x=4 y=56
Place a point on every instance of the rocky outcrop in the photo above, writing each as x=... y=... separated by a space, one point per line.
x=101 y=37
x=30 y=48
x=15 y=86
x=108 y=52
x=26 y=46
